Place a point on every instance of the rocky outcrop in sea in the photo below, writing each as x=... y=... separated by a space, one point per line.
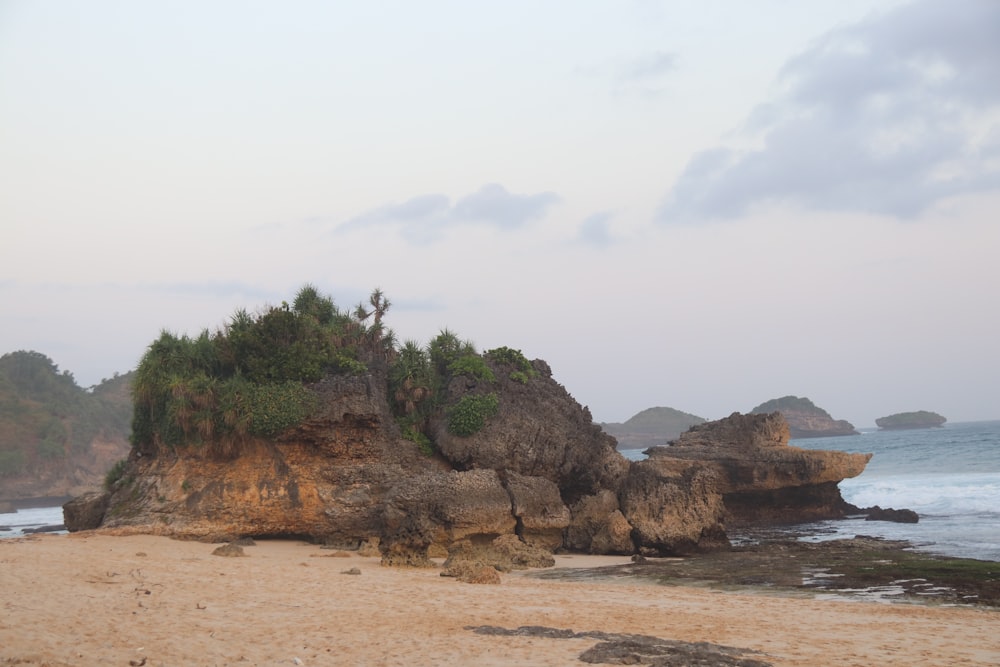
x=540 y=472
x=805 y=419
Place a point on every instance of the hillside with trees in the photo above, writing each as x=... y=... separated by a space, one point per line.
x=57 y=438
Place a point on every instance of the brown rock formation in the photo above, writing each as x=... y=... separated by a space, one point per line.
x=539 y=475
x=598 y=526
x=539 y=431
x=759 y=477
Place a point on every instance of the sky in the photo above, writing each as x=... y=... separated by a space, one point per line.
x=696 y=204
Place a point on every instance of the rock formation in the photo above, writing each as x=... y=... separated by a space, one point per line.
x=910 y=420
x=539 y=473
x=758 y=477
x=805 y=419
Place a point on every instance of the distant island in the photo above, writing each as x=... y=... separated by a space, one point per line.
x=908 y=420
x=652 y=426
x=805 y=419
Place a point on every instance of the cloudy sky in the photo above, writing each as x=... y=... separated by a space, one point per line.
x=698 y=204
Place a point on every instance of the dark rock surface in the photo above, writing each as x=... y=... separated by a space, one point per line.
x=877 y=513
x=773 y=560
x=632 y=649
x=86 y=512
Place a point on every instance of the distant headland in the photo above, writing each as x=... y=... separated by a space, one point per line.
x=651 y=427
x=910 y=420
x=805 y=419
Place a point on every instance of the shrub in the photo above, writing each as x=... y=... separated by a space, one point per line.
x=523 y=369
x=469 y=415
x=519 y=376
x=472 y=365
x=247 y=379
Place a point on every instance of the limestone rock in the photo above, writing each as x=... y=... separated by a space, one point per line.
x=674 y=511
x=760 y=477
x=443 y=508
x=86 y=511
x=505 y=553
x=539 y=510
x=598 y=526
x=539 y=431
x=470 y=572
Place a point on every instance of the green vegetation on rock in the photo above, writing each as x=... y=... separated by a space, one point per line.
x=254 y=377
x=248 y=379
x=522 y=369
x=469 y=415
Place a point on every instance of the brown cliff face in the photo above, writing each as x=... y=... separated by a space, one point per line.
x=539 y=469
x=323 y=479
x=538 y=431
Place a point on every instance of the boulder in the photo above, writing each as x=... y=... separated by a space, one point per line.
x=598 y=526
x=471 y=572
x=505 y=553
x=877 y=513
x=85 y=512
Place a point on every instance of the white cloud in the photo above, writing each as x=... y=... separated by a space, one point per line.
x=425 y=218
x=884 y=116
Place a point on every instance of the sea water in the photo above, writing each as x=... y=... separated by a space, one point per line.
x=14 y=524
x=949 y=475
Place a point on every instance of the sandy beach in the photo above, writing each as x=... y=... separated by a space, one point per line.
x=92 y=599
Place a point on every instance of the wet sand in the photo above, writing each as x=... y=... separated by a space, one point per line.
x=92 y=599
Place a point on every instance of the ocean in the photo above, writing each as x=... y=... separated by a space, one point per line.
x=950 y=476
x=14 y=524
